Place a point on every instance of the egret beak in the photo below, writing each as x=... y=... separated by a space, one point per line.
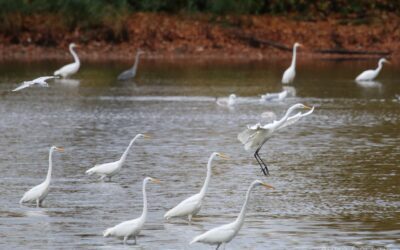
x=307 y=107
x=388 y=62
x=301 y=45
x=154 y=180
x=224 y=156
x=60 y=149
x=267 y=186
x=147 y=136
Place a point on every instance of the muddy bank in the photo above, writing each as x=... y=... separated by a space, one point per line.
x=208 y=37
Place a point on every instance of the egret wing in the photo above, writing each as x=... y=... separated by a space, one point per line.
x=24 y=85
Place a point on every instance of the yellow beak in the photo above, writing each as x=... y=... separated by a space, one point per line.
x=224 y=156
x=147 y=136
x=154 y=180
x=60 y=149
x=307 y=107
x=267 y=186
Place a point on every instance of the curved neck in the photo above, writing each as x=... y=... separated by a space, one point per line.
x=135 y=65
x=208 y=177
x=48 y=177
x=76 y=58
x=240 y=219
x=144 y=213
x=380 y=65
x=123 y=157
x=284 y=118
x=293 y=65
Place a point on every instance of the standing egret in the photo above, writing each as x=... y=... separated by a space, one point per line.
x=290 y=73
x=41 y=81
x=371 y=74
x=225 y=233
x=191 y=206
x=255 y=136
x=131 y=228
x=112 y=168
x=227 y=102
x=71 y=68
x=38 y=193
x=131 y=73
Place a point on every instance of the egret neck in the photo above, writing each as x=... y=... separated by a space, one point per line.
x=207 y=181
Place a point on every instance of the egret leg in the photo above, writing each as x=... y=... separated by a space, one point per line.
x=190 y=218
x=37 y=203
x=223 y=246
x=125 y=240
x=262 y=164
x=135 y=240
x=109 y=178
x=218 y=246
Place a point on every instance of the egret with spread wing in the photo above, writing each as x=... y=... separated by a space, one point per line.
x=227 y=102
x=131 y=228
x=225 y=233
x=255 y=136
x=112 y=168
x=290 y=73
x=38 y=193
x=71 y=68
x=131 y=73
x=371 y=74
x=191 y=206
x=41 y=82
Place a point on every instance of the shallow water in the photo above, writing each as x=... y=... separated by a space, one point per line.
x=336 y=173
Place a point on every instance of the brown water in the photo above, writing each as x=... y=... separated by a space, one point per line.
x=336 y=173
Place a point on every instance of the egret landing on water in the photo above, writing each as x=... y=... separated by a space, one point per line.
x=112 y=168
x=227 y=102
x=192 y=205
x=290 y=73
x=41 y=82
x=38 y=193
x=131 y=228
x=225 y=233
x=131 y=73
x=371 y=74
x=255 y=136
x=71 y=68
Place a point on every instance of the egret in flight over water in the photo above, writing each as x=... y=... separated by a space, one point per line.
x=371 y=74
x=71 y=68
x=290 y=73
x=225 y=233
x=131 y=228
x=112 y=168
x=41 y=82
x=131 y=73
x=192 y=205
x=227 y=102
x=255 y=136
x=38 y=193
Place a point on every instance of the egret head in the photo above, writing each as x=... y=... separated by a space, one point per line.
x=222 y=156
x=153 y=180
x=232 y=96
x=297 y=45
x=140 y=52
x=260 y=183
x=300 y=106
x=58 y=149
x=73 y=45
x=145 y=136
x=383 y=60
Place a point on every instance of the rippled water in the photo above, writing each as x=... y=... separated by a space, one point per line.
x=336 y=173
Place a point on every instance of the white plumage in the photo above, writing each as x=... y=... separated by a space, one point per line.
x=38 y=193
x=41 y=82
x=371 y=74
x=71 y=68
x=290 y=73
x=227 y=102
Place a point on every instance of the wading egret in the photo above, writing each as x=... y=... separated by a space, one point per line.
x=255 y=136
x=274 y=97
x=225 y=233
x=71 y=68
x=38 y=193
x=191 y=206
x=41 y=82
x=227 y=102
x=131 y=73
x=371 y=74
x=112 y=168
x=290 y=73
x=131 y=228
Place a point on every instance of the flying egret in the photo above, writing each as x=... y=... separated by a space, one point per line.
x=192 y=205
x=41 y=82
x=71 y=68
x=131 y=73
x=225 y=233
x=255 y=136
x=371 y=74
x=131 y=228
x=38 y=193
x=290 y=73
x=227 y=102
x=112 y=168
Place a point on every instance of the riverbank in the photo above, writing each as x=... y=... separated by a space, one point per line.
x=208 y=37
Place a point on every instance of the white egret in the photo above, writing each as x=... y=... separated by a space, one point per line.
x=38 y=193
x=255 y=136
x=41 y=82
x=371 y=74
x=225 y=233
x=71 y=68
x=227 y=102
x=112 y=168
x=191 y=206
x=290 y=73
x=131 y=228
x=131 y=73
x=274 y=97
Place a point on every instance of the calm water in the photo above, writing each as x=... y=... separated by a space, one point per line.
x=336 y=173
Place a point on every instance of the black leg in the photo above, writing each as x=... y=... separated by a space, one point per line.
x=262 y=164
